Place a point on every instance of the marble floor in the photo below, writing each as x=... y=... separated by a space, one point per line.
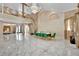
x=20 y=45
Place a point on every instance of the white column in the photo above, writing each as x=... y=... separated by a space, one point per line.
x=18 y=28
x=19 y=35
x=26 y=30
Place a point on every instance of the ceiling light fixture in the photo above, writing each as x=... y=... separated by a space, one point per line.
x=35 y=9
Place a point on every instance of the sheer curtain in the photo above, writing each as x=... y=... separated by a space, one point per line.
x=68 y=28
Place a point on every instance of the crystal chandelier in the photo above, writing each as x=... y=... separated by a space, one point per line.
x=35 y=8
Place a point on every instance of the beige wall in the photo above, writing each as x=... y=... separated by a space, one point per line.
x=51 y=24
x=1 y=31
x=1 y=26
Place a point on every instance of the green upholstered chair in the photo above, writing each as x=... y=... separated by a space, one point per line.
x=42 y=34
x=45 y=35
x=53 y=35
x=39 y=34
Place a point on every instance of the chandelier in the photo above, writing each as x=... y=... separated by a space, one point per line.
x=35 y=8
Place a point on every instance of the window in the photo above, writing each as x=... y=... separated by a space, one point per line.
x=68 y=25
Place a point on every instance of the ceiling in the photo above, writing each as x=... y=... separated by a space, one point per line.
x=58 y=7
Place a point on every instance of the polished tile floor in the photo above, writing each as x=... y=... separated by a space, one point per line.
x=20 y=45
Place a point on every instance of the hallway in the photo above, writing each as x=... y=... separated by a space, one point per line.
x=30 y=46
x=18 y=20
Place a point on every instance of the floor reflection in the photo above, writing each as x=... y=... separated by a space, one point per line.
x=19 y=36
x=6 y=37
x=17 y=45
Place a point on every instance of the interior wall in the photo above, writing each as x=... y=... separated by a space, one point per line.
x=1 y=30
x=53 y=24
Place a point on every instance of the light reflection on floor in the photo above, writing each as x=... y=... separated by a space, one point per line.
x=20 y=45
x=19 y=36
